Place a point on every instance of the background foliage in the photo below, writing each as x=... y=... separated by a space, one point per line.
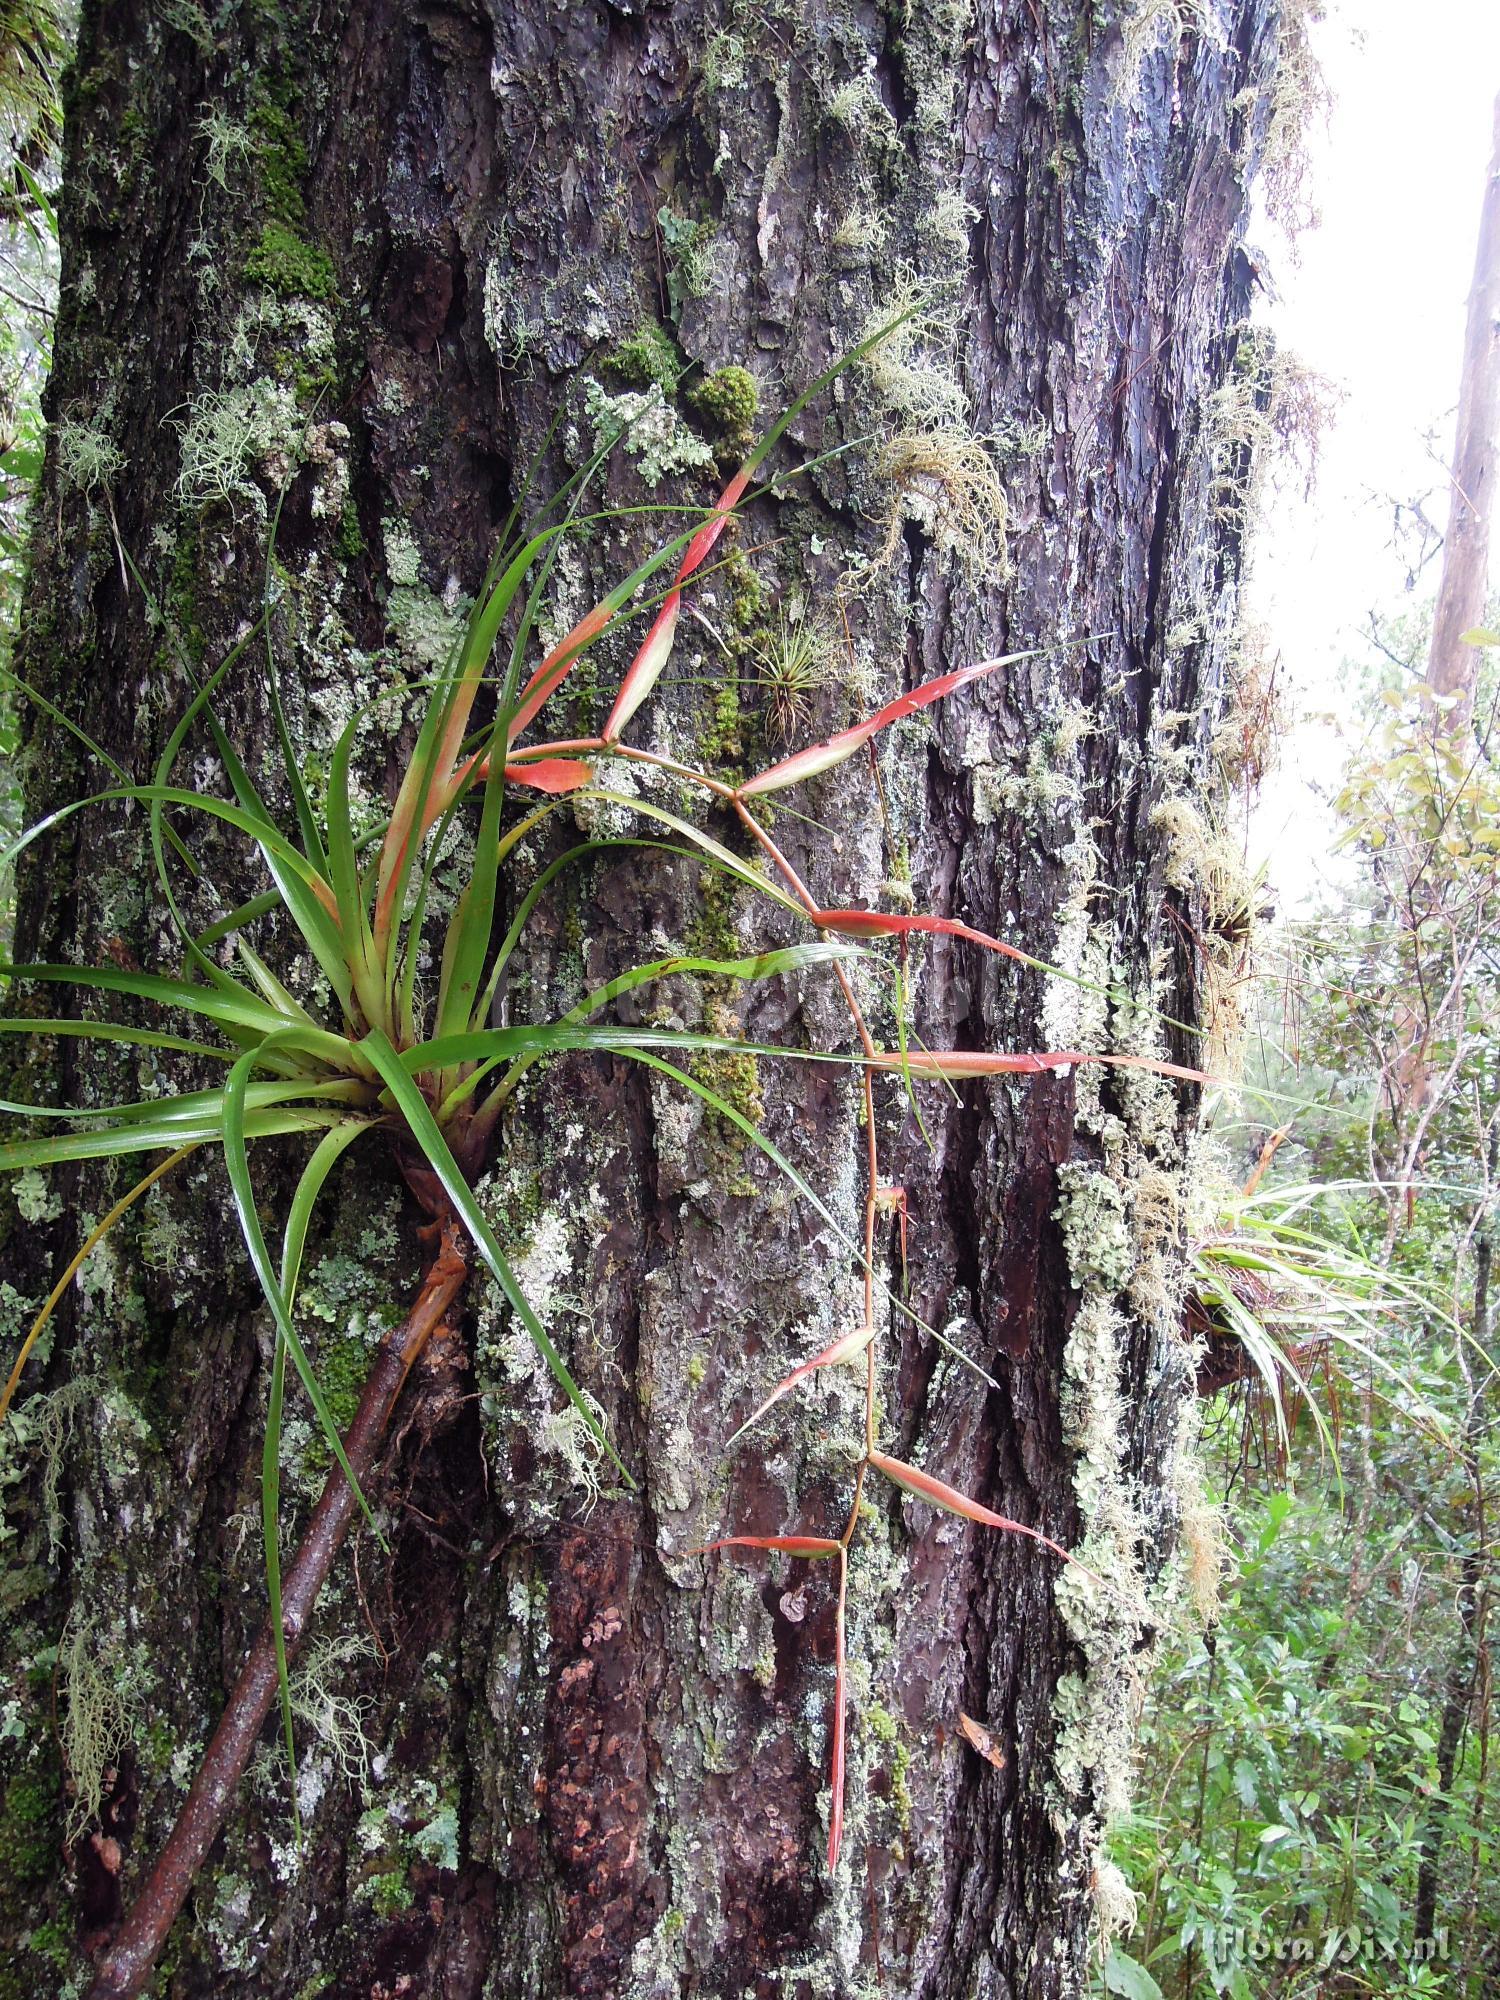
x=1316 y=1805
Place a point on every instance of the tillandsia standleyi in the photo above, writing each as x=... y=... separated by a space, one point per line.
x=431 y=1078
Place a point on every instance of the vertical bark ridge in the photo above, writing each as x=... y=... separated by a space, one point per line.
x=596 y=1766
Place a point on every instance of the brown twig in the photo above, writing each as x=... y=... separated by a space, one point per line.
x=127 y=1965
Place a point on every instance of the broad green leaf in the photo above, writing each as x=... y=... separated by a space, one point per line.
x=1124 y=1975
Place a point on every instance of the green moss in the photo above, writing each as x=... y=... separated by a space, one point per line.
x=183 y=598
x=886 y=1730
x=284 y=263
x=734 y=1077
x=728 y=401
x=747 y=594
x=134 y=129
x=342 y=1369
x=31 y=1825
x=648 y=355
x=883 y=1726
x=721 y=743
x=392 y=1894
x=351 y=537
x=54 y=1941
x=281 y=157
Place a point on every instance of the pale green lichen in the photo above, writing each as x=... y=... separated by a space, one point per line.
x=228 y=435
x=87 y=457
x=510 y=328
x=36 y=1199
x=1094 y=1213
x=424 y=627
x=655 y=438
x=403 y=559
x=685 y=244
x=859 y=231
x=437 y=1841
x=227 y=146
x=914 y=369
x=41 y=1428
x=102 y=1674
x=339 y=1720
x=189 y=19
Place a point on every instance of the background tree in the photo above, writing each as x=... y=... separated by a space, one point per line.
x=1466 y=547
x=369 y=253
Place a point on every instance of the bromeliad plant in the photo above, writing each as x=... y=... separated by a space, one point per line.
x=430 y=1078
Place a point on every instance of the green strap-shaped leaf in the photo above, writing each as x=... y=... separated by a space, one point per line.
x=194 y=1105
x=110 y=1031
x=237 y=1161
x=424 y=1131
x=326 y=1155
x=145 y=1135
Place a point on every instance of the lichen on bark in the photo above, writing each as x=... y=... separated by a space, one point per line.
x=595 y=1766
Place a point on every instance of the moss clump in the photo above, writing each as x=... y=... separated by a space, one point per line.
x=31 y=1827
x=284 y=263
x=747 y=594
x=343 y=1368
x=734 y=1078
x=351 y=536
x=53 y=1940
x=392 y=1894
x=884 y=1727
x=648 y=355
x=728 y=401
x=722 y=743
x=280 y=156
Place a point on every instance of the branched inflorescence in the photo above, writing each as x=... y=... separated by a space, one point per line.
x=431 y=1077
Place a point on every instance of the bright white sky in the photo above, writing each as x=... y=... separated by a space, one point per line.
x=1375 y=300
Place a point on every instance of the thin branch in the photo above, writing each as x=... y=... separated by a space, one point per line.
x=127 y=1965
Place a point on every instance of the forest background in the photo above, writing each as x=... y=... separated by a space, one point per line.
x=1316 y=1805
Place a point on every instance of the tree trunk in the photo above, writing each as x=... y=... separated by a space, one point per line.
x=373 y=250
x=1451 y=665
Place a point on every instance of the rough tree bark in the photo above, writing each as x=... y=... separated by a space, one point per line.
x=374 y=249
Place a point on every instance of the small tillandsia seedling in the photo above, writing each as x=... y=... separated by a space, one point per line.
x=430 y=1076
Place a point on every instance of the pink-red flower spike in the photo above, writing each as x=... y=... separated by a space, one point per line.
x=810 y=1546
x=550 y=774
x=823 y=756
x=935 y=1491
x=874 y=923
x=954 y=1065
x=556 y=667
x=645 y=669
x=844 y=1349
x=813 y=1546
